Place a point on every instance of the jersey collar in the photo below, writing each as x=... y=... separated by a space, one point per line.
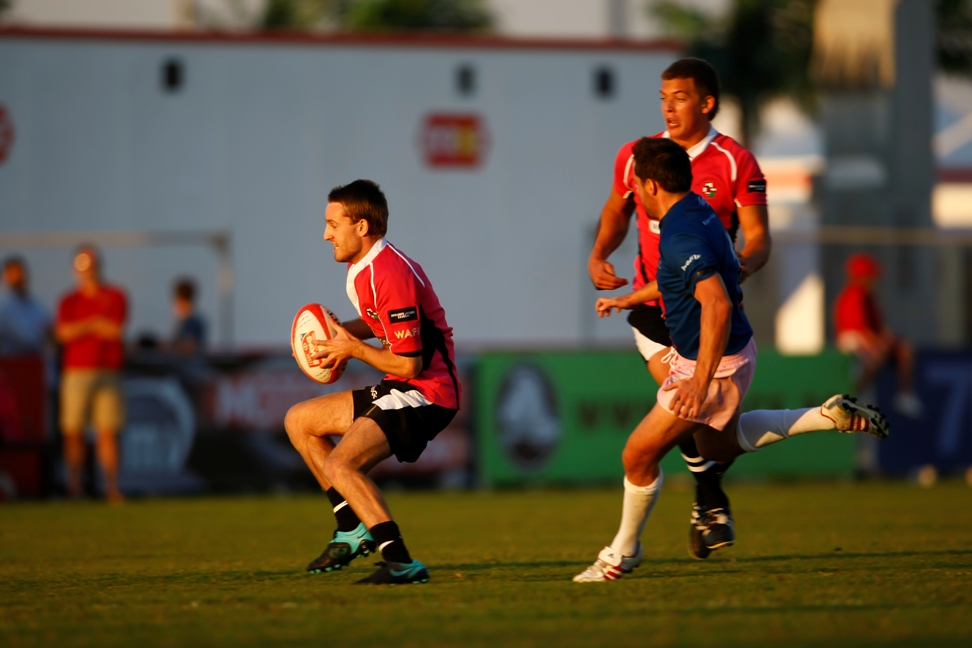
x=355 y=268
x=696 y=150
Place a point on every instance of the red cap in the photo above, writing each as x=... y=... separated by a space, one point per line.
x=863 y=266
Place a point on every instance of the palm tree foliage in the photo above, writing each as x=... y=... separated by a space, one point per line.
x=954 y=37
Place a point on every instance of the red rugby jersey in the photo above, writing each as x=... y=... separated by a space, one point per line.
x=856 y=310
x=392 y=294
x=723 y=172
x=91 y=351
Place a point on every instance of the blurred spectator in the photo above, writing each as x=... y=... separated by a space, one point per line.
x=861 y=332
x=25 y=325
x=189 y=337
x=90 y=323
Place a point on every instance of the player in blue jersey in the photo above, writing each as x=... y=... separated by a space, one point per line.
x=713 y=357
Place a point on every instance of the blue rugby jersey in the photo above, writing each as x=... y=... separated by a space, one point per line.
x=694 y=245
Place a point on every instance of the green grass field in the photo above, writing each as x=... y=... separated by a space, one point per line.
x=815 y=564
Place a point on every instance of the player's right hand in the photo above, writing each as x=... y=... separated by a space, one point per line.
x=605 y=305
x=602 y=274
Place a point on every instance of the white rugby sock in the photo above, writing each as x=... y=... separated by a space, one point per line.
x=760 y=428
x=638 y=502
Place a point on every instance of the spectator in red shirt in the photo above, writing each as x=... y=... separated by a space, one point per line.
x=861 y=332
x=90 y=323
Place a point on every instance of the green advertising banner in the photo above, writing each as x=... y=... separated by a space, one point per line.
x=564 y=417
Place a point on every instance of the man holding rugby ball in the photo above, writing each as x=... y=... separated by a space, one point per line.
x=416 y=399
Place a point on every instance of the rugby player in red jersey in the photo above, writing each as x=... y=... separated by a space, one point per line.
x=729 y=179
x=713 y=356
x=416 y=399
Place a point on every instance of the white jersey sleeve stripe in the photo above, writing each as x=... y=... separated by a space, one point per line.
x=410 y=267
x=732 y=161
x=374 y=296
x=627 y=174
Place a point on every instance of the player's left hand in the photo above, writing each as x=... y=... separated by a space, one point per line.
x=338 y=349
x=690 y=394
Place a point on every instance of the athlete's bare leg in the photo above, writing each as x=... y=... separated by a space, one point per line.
x=720 y=445
x=657 y=368
x=74 y=451
x=106 y=448
x=655 y=436
x=363 y=446
x=904 y=358
x=309 y=424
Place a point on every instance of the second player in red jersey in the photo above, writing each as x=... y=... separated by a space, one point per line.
x=723 y=172
x=729 y=179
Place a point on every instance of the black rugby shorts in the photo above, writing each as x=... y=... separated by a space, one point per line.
x=407 y=428
x=648 y=321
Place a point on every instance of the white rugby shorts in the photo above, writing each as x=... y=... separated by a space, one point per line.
x=647 y=347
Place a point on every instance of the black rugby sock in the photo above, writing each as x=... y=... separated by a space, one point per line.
x=708 y=483
x=347 y=519
x=390 y=543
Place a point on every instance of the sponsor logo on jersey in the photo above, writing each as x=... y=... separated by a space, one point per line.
x=371 y=313
x=709 y=189
x=407 y=333
x=756 y=186
x=691 y=259
x=409 y=314
x=654 y=226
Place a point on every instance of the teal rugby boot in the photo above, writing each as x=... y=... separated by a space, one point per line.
x=343 y=548
x=393 y=573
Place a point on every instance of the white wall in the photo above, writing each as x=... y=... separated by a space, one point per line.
x=260 y=134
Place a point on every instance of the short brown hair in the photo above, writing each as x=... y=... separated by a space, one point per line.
x=702 y=73
x=185 y=288
x=662 y=160
x=363 y=199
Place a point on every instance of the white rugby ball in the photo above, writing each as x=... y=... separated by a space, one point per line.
x=313 y=322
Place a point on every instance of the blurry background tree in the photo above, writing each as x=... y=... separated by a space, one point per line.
x=954 y=38
x=378 y=15
x=762 y=48
x=415 y=15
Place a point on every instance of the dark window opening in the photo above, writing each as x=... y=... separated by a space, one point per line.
x=173 y=76
x=605 y=86
x=466 y=80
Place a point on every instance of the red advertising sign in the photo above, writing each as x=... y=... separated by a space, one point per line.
x=6 y=133
x=454 y=140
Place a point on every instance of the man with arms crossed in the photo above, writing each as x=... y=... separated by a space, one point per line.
x=416 y=400
x=730 y=180
x=714 y=355
x=90 y=323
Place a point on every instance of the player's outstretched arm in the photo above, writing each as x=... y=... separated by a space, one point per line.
x=646 y=293
x=344 y=346
x=754 y=223
x=611 y=230
x=715 y=325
